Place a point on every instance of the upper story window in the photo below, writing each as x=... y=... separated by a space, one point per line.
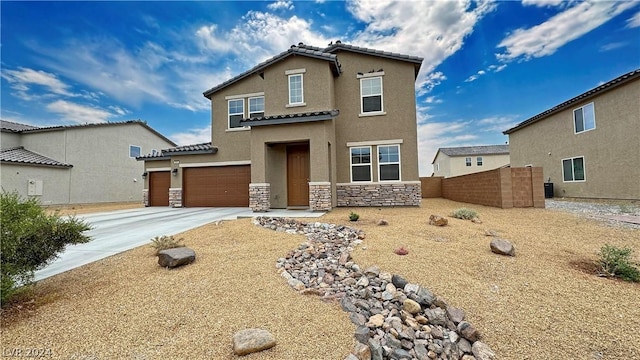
x=360 y=163
x=479 y=160
x=573 y=169
x=236 y=113
x=467 y=161
x=134 y=151
x=296 y=93
x=256 y=107
x=584 y=118
x=389 y=162
x=371 y=95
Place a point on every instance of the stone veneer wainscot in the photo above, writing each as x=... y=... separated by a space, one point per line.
x=145 y=197
x=320 y=196
x=175 y=197
x=260 y=197
x=407 y=193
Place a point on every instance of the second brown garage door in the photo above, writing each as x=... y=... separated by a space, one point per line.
x=218 y=186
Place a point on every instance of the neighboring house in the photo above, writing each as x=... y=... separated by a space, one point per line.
x=311 y=128
x=588 y=146
x=455 y=161
x=77 y=164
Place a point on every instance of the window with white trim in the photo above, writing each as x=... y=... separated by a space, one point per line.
x=371 y=95
x=134 y=151
x=296 y=93
x=389 y=162
x=360 y=163
x=467 y=161
x=573 y=169
x=256 y=107
x=584 y=118
x=479 y=161
x=236 y=113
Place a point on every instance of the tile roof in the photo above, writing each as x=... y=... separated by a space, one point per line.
x=291 y=118
x=14 y=127
x=20 y=155
x=473 y=150
x=203 y=148
x=632 y=75
x=319 y=53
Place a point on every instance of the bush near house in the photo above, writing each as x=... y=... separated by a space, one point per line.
x=31 y=239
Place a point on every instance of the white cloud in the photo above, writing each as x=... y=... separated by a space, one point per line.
x=496 y=68
x=433 y=30
x=613 y=46
x=432 y=100
x=634 y=21
x=543 y=3
x=80 y=114
x=546 y=38
x=429 y=82
x=22 y=79
x=496 y=123
x=281 y=5
x=192 y=136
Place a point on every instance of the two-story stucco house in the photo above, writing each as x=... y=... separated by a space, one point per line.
x=77 y=164
x=588 y=146
x=455 y=161
x=311 y=127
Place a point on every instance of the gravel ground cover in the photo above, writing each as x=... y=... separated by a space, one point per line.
x=544 y=303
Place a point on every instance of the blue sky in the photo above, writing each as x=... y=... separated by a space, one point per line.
x=487 y=65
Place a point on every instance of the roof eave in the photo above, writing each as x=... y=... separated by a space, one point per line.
x=292 y=120
x=61 y=166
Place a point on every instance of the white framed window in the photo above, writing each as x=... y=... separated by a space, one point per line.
x=256 y=107
x=389 y=162
x=236 y=113
x=296 y=89
x=479 y=161
x=584 y=118
x=360 y=164
x=371 y=95
x=134 y=151
x=467 y=161
x=573 y=169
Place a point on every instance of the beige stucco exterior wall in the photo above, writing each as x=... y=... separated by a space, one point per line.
x=611 y=151
x=102 y=169
x=55 y=182
x=9 y=140
x=456 y=165
x=398 y=103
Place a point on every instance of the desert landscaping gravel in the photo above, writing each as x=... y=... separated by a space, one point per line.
x=544 y=303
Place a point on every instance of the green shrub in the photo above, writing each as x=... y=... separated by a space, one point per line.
x=353 y=216
x=616 y=262
x=465 y=214
x=31 y=239
x=165 y=242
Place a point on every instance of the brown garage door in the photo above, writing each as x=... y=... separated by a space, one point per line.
x=159 y=183
x=216 y=186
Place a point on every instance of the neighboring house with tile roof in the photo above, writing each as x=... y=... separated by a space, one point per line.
x=456 y=161
x=308 y=128
x=76 y=164
x=589 y=145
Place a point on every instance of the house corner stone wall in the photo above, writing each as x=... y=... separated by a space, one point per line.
x=260 y=197
x=175 y=197
x=379 y=194
x=145 y=197
x=320 y=196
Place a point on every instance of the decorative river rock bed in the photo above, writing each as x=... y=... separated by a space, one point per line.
x=394 y=319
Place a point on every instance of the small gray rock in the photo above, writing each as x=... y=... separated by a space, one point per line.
x=398 y=281
x=482 y=351
x=421 y=352
x=252 y=340
x=362 y=334
x=376 y=349
x=176 y=257
x=456 y=315
x=357 y=319
x=503 y=247
x=468 y=331
x=400 y=354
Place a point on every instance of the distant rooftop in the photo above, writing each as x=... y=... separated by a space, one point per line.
x=474 y=150
x=20 y=155
x=164 y=154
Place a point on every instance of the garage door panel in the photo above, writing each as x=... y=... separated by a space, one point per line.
x=159 y=183
x=217 y=186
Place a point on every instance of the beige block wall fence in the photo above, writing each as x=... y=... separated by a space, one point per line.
x=504 y=188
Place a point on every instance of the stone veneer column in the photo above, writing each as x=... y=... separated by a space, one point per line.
x=145 y=197
x=260 y=197
x=319 y=196
x=175 y=197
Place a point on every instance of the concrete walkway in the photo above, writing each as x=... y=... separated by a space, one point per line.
x=118 y=231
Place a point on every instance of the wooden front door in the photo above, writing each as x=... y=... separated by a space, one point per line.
x=159 y=184
x=298 y=175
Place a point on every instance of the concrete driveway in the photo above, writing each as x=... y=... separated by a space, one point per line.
x=118 y=231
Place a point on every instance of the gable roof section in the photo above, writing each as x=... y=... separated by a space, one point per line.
x=165 y=154
x=620 y=80
x=8 y=126
x=473 y=151
x=294 y=50
x=20 y=155
x=338 y=45
x=291 y=118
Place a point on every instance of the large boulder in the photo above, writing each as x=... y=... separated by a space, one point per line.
x=503 y=247
x=176 y=257
x=252 y=340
